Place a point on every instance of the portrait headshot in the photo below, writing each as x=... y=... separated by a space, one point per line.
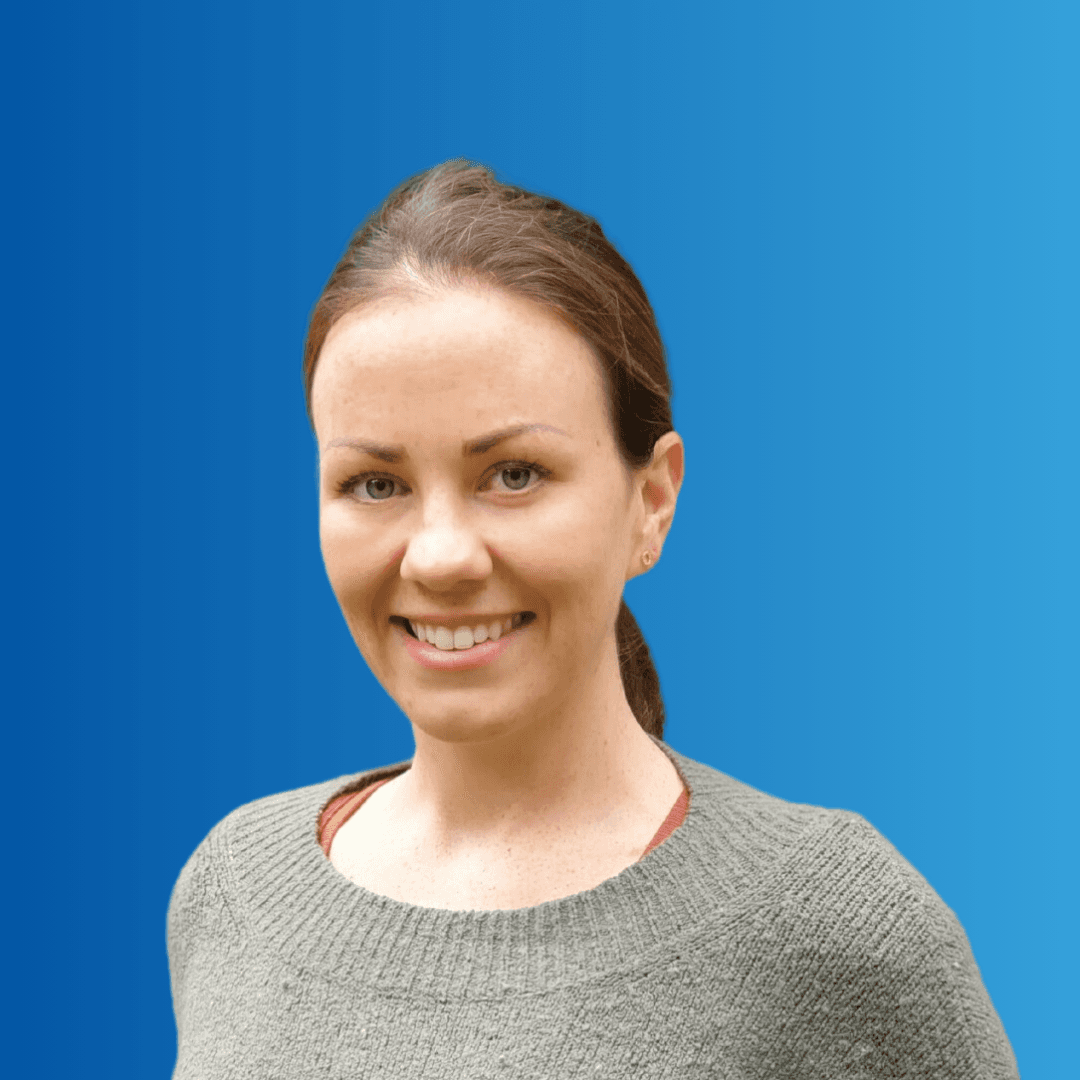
x=544 y=541
x=545 y=885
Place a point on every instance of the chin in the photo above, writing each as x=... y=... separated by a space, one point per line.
x=466 y=715
x=452 y=726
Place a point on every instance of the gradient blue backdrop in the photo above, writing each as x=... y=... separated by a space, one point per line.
x=859 y=227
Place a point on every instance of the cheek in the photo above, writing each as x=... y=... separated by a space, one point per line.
x=574 y=547
x=354 y=565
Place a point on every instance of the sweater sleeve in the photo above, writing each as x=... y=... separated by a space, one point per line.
x=974 y=1033
x=202 y=934
x=873 y=974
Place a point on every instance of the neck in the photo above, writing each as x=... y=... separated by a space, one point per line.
x=590 y=764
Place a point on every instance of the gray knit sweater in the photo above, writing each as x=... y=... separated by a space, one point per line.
x=762 y=939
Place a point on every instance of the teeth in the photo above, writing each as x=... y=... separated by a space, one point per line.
x=465 y=637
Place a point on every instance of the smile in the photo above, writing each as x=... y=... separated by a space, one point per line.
x=463 y=637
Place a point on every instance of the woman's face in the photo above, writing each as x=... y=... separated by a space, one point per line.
x=469 y=476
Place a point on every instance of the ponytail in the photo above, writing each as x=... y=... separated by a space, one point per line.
x=639 y=678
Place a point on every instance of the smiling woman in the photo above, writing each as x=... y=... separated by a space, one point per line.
x=545 y=887
x=492 y=491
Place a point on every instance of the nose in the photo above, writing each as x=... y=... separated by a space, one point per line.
x=445 y=549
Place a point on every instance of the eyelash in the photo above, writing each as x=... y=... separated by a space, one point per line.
x=346 y=487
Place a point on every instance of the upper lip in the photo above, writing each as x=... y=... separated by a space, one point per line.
x=467 y=618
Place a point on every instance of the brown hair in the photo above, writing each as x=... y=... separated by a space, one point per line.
x=457 y=225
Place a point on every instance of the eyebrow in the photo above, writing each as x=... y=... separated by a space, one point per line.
x=393 y=454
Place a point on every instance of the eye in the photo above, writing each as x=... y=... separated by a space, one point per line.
x=515 y=479
x=379 y=487
x=516 y=476
x=372 y=488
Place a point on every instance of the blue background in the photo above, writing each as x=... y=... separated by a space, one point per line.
x=859 y=227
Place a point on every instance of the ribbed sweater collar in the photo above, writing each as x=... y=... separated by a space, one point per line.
x=292 y=900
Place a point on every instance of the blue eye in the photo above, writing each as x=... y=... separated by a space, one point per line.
x=511 y=476
x=516 y=478
x=366 y=487
x=379 y=488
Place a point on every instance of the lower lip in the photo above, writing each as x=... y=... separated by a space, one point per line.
x=428 y=656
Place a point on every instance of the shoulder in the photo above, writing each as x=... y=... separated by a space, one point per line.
x=847 y=884
x=819 y=867
x=263 y=831
x=858 y=962
x=870 y=953
x=739 y=838
x=832 y=857
x=849 y=887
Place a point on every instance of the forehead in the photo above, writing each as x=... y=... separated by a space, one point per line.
x=462 y=359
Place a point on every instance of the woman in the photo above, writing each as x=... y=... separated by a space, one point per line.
x=545 y=889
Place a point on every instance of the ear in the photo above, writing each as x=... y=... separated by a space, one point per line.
x=656 y=487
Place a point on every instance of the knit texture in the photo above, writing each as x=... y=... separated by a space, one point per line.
x=762 y=940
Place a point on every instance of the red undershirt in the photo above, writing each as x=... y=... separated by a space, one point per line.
x=339 y=810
